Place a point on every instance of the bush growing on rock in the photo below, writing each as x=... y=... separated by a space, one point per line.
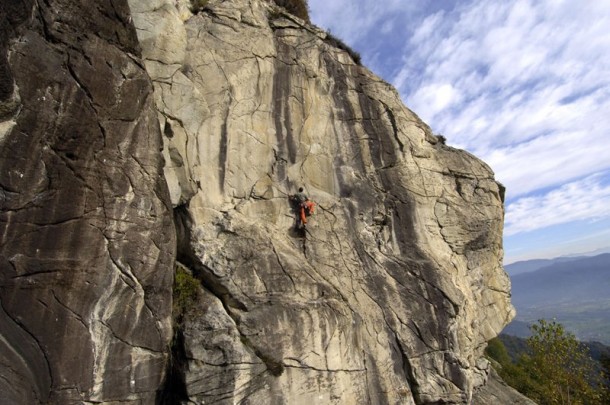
x=185 y=292
x=296 y=7
x=337 y=42
x=198 y=5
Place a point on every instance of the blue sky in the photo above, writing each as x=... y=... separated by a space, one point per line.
x=524 y=85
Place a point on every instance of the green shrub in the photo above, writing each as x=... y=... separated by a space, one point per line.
x=338 y=43
x=185 y=293
x=296 y=7
x=605 y=362
x=198 y=5
x=497 y=351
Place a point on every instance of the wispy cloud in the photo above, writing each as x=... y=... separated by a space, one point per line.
x=354 y=20
x=378 y=30
x=548 y=161
x=586 y=199
x=326 y=14
x=525 y=85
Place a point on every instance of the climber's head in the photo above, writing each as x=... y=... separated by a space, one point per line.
x=300 y=189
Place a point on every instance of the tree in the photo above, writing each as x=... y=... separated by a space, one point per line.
x=559 y=369
x=512 y=373
x=605 y=362
x=497 y=351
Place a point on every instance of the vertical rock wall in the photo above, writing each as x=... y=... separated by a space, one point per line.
x=87 y=242
x=397 y=284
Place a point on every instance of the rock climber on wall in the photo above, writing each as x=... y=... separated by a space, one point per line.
x=304 y=207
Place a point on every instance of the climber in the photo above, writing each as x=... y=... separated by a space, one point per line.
x=304 y=206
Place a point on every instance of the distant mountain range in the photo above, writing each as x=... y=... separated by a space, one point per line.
x=574 y=291
x=526 y=266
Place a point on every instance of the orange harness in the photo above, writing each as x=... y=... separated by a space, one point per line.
x=309 y=205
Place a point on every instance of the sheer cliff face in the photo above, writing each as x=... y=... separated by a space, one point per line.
x=397 y=284
x=390 y=295
x=87 y=241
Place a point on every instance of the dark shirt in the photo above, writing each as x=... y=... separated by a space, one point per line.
x=301 y=197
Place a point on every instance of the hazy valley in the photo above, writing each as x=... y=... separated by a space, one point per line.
x=573 y=290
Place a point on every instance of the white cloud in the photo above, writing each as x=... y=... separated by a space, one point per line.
x=529 y=86
x=352 y=20
x=429 y=28
x=377 y=30
x=550 y=146
x=499 y=50
x=586 y=199
x=525 y=85
x=436 y=97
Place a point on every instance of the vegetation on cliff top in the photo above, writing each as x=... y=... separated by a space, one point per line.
x=300 y=9
x=338 y=43
x=296 y=7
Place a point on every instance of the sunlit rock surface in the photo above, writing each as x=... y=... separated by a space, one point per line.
x=397 y=284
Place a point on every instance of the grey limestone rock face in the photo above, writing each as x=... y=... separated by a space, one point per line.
x=393 y=290
x=87 y=242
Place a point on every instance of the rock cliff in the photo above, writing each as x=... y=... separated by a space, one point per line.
x=87 y=238
x=142 y=135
